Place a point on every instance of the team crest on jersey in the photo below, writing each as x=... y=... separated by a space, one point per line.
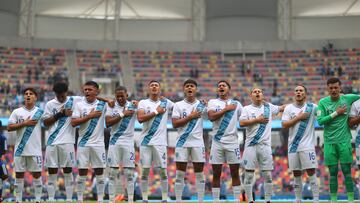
x=245 y=162
x=54 y=111
x=253 y=115
x=292 y=115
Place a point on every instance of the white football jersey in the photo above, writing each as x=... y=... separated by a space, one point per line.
x=191 y=134
x=122 y=133
x=302 y=134
x=154 y=131
x=258 y=133
x=28 y=139
x=91 y=133
x=61 y=132
x=355 y=111
x=225 y=128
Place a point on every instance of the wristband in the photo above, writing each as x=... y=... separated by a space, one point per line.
x=122 y=115
x=334 y=114
x=156 y=112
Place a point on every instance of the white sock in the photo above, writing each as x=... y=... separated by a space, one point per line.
x=314 y=187
x=179 y=184
x=69 y=186
x=51 y=187
x=112 y=182
x=100 y=186
x=268 y=191
x=164 y=189
x=200 y=186
x=144 y=189
x=298 y=188
x=19 y=187
x=237 y=192
x=248 y=185
x=38 y=189
x=216 y=194
x=81 y=187
x=129 y=174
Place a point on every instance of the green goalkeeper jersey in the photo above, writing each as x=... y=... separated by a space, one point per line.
x=336 y=130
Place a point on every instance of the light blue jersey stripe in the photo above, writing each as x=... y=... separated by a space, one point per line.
x=92 y=125
x=262 y=126
x=123 y=126
x=61 y=122
x=224 y=123
x=27 y=133
x=154 y=125
x=301 y=131
x=200 y=108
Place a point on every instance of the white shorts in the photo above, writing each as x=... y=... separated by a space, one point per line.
x=219 y=154
x=259 y=154
x=28 y=163
x=121 y=154
x=153 y=154
x=194 y=154
x=302 y=160
x=357 y=150
x=60 y=156
x=93 y=156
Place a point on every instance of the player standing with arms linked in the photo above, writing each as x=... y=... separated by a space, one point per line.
x=333 y=114
x=299 y=117
x=353 y=121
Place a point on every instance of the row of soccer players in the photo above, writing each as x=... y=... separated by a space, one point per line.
x=64 y=113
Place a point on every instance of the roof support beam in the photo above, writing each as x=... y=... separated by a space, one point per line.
x=198 y=20
x=117 y=19
x=284 y=19
x=27 y=18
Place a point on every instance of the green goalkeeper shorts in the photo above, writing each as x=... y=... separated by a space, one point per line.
x=333 y=153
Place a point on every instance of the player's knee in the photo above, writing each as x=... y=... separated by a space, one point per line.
x=180 y=175
x=346 y=169
x=129 y=173
x=333 y=170
x=145 y=174
x=163 y=174
x=113 y=173
x=249 y=176
x=267 y=176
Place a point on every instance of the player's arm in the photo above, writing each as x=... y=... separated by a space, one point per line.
x=110 y=102
x=354 y=117
x=323 y=118
x=260 y=119
x=287 y=122
x=26 y=123
x=111 y=120
x=92 y=114
x=215 y=115
x=52 y=119
x=179 y=122
x=143 y=117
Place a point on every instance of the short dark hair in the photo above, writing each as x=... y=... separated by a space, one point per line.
x=31 y=89
x=60 y=87
x=302 y=87
x=154 y=81
x=190 y=81
x=121 y=88
x=333 y=80
x=226 y=82
x=92 y=83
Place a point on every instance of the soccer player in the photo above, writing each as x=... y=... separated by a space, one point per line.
x=353 y=121
x=89 y=115
x=187 y=117
x=60 y=152
x=121 y=150
x=333 y=114
x=257 y=118
x=27 y=155
x=153 y=113
x=299 y=117
x=3 y=171
x=225 y=113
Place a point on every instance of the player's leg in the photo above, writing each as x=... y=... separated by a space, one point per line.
x=35 y=166
x=3 y=176
x=309 y=163
x=113 y=163
x=83 y=159
x=67 y=162
x=295 y=167
x=233 y=159
x=51 y=163
x=20 y=168
x=98 y=163
x=217 y=158
x=160 y=160
x=266 y=166
x=198 y=159
x=181 y=158
x=128 y=162
x=250 y=162
x=331 y=159
x=358 y=164
x=346 y=160
x=146 y=162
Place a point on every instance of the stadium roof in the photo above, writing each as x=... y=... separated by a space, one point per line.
x=180 y=9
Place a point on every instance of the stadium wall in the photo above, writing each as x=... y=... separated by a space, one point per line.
x=9 y=20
